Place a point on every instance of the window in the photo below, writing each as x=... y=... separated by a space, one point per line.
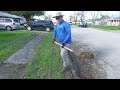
x=8 y=20
x=41 y=22
x=15 y=20
x=1 y=20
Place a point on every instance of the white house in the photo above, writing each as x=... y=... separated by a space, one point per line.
x=113 y=22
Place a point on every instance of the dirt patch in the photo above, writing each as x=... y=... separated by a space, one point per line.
x=84 y=64
x=86 y=56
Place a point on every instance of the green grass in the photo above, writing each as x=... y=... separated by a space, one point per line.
x=76 y=24
x=46 y=63
x=22 y=27
x=106 y=27
x=11 y=41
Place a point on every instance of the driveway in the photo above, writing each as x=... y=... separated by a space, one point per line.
x=106 y=48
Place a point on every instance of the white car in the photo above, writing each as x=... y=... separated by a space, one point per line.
x=9 y=24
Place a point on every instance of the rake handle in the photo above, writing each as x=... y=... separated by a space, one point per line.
x=64 y=46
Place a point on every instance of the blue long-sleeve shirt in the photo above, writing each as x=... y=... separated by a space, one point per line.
x=63 y=32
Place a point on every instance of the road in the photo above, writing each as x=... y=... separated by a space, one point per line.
x=106 y=48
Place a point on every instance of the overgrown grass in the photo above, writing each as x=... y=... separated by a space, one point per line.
x=106 y=27
x=11 y=41
x=46 y=63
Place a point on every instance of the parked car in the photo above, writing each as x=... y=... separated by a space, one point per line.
x=39 y=25
x=52 y=25
x=70 y=23
x=83 y=24
x=9 y=24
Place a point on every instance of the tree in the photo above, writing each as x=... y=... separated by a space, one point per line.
x=48 y=17
x=118 y=14
x=26 y=14
x=70 y=18
x=105 y=16
x=94 y=15
x=80 y=14
x=76 y=13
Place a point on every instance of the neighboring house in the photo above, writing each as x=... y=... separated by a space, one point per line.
x=108 y=21
x=21 y=20
x=101 y=21
x=113 y=22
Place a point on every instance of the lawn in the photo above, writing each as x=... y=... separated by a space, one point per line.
x=76 y=24
x=46 y=63
x=11 y=41
x=106 y=27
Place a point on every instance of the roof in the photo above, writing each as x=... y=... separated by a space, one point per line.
x=117 y=18
x=5 y=18
x=10 y=16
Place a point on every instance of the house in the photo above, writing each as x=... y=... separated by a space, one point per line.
x=114 y=22
x=21 y=20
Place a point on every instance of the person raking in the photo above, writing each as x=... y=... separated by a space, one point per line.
x=62 y=31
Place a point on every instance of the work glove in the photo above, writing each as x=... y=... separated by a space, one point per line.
x=53 y=40
x=63 y=44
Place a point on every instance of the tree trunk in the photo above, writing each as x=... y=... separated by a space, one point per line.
x=75 y=20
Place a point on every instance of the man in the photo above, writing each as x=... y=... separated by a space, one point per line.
x=63 y=32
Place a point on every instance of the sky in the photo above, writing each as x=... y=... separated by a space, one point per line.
x=88 y=15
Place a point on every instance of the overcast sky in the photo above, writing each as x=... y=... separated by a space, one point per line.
x=88 y=16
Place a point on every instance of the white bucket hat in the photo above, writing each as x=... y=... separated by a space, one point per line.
x=58 y=14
